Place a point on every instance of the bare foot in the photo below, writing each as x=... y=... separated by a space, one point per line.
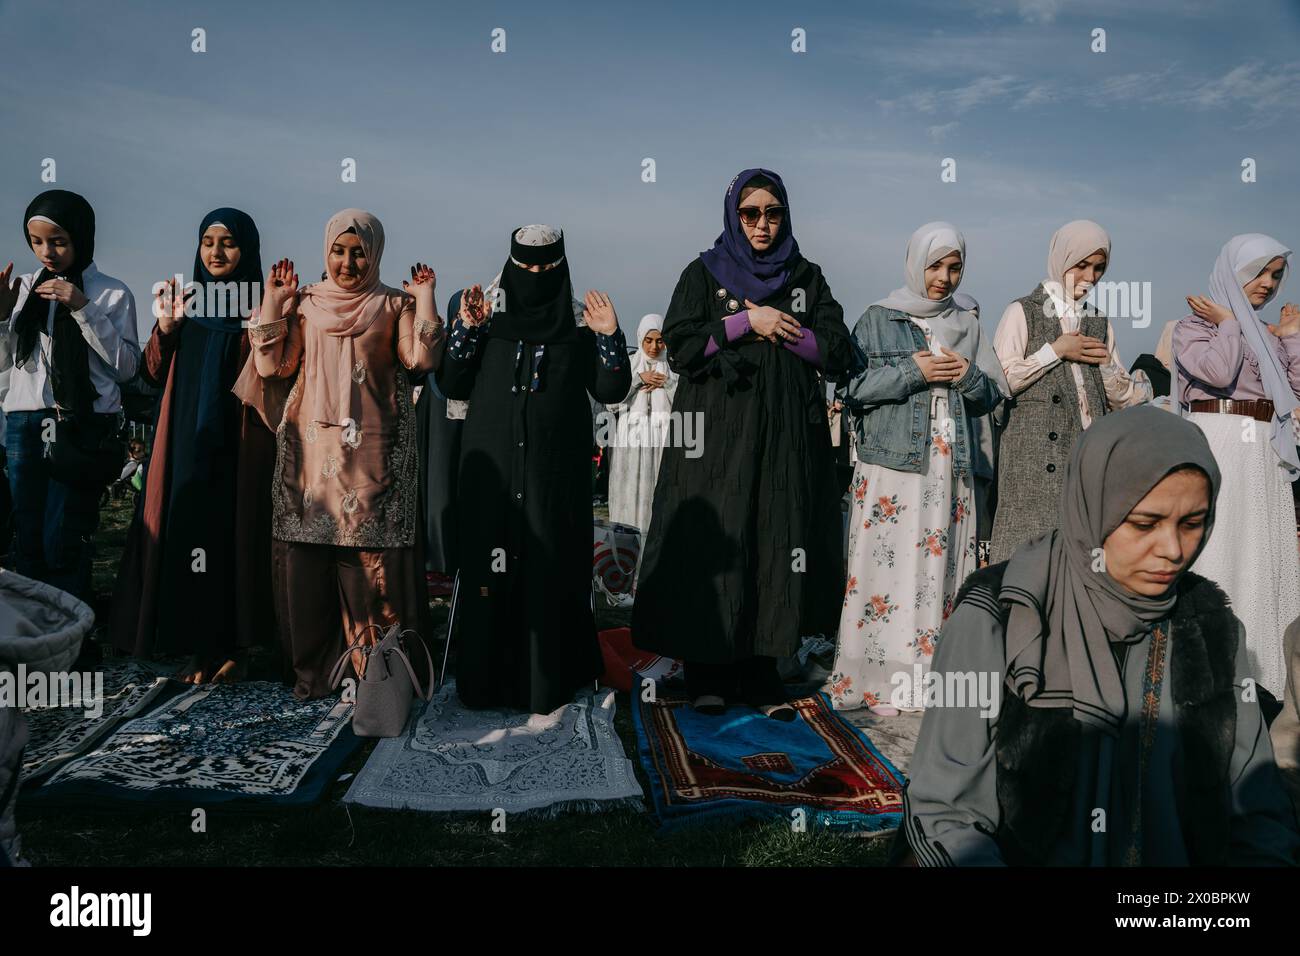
x=191 y=673
x=884 y=710
x=231 y=672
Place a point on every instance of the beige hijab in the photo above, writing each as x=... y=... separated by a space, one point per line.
x=1072 y=243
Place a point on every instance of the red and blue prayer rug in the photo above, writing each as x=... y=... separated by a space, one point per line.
x=706 y=769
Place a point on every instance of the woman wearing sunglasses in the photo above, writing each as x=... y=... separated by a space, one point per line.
x=744 y=549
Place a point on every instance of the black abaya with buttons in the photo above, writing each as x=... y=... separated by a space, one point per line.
x=744 y=551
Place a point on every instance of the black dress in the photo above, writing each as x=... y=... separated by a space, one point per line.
x=744 y=551
x=525 y=631
x=439 y=441
x=196 y=611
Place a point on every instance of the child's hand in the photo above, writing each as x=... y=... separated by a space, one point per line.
x=8 y=292
x=63 y=291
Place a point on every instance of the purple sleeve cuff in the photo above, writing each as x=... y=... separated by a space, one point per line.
x=736 y=326
x=806 y=348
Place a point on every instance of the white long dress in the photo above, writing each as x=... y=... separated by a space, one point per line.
x=1252 y=554
x=911 y=545
x=642 y=429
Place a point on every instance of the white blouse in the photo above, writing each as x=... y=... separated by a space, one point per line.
x=107 y=323
x=1123 y=389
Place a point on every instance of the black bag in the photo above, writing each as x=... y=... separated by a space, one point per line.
x=86 y=453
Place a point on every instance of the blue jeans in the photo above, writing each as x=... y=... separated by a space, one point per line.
x=54 y=523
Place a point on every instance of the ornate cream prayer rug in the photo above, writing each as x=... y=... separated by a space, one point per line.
x=455 y=759
x=59 y=734
x=250 y=743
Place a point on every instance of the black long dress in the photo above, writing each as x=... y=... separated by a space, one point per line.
x=439 y=441
x=196 y=614
x=744 y=551
x=525 y=631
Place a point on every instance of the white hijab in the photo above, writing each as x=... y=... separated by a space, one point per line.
x=642 y=362
x=1241 y=260
x=954 y=319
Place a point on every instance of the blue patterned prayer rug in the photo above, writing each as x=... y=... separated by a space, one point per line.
x=741 y=764
x=249 y=744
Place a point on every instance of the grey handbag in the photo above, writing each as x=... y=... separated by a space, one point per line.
x=386 y=684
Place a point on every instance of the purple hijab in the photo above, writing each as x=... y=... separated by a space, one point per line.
x=752 y=275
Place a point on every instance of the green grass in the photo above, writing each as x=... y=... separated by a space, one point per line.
x=331 y=835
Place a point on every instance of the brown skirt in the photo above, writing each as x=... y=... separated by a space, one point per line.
x=327 y=596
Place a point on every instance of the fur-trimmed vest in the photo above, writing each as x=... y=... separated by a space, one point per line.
x=1037 y=748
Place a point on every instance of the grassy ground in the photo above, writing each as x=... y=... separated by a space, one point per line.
x=330 y=834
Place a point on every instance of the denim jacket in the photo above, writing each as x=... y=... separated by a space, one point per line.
x=891 y=399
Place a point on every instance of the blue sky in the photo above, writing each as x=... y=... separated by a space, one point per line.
x=455 y=145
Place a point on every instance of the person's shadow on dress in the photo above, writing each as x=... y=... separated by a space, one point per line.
x=682 y=590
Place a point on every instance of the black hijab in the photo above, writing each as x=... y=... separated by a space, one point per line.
x=538 y=305
x=221 y=345
x=69 y=358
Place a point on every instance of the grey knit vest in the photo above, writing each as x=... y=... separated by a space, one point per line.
x=1042 y=423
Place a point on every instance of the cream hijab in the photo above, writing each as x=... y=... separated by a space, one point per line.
x=1071 y=244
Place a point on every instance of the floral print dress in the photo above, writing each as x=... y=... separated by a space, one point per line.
x=911 y=545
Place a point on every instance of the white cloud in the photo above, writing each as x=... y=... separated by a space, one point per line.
x=940 y=133
x=1039 y=11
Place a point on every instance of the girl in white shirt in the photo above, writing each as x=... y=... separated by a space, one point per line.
x=68 y=339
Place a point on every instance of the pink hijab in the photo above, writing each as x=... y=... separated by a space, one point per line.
x=340 y=312
x=341 y=316
x=330 y=392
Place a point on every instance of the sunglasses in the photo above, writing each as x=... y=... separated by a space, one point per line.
x=749 y=215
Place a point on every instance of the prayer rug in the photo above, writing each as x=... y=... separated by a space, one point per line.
x=59 y=734
x=249 y=743
x=453 y=759
x=705 y=769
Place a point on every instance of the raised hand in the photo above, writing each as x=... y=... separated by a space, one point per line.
x=8 y=292
x=423 y=282
x=1290 y=323
x=600 y=314
x=169 y=306
x=1208 y=310
x=281 y=287
x=773 y=324
x=473 y=310
x=939 y=369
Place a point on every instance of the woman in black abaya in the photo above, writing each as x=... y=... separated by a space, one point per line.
x=744 y=550
x=525 y=632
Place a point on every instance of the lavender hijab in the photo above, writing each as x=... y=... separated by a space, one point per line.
x=745 y=272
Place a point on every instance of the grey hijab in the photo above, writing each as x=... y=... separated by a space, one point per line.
x=1064 y=615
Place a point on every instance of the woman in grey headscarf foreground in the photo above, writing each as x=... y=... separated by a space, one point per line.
x=1125 y=729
